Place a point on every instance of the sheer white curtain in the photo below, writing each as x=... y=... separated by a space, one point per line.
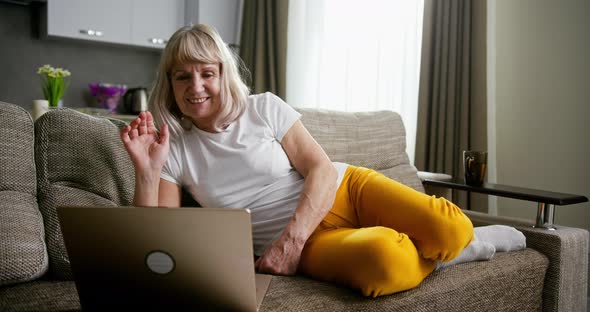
x=356 y=56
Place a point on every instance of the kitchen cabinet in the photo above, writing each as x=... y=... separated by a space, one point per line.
x=154 y=21
x=223 y=15
x=106 y=20
x=145 y=23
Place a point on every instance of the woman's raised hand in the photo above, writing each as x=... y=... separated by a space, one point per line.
x=148 y=149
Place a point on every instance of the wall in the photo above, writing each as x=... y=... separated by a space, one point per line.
x=23 y=51
x=542 y=107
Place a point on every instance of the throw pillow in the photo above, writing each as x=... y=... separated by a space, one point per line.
x=23 y=255
x=81 y=161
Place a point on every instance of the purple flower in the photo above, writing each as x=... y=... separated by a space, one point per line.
x=107 y=95
x=107 y=89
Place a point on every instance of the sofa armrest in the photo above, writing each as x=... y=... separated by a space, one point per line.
x=566 y=248
x=436 y=190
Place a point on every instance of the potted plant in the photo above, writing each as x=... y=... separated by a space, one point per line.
x=54 y=83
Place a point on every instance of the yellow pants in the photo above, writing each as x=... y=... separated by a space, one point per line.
x=383 y=237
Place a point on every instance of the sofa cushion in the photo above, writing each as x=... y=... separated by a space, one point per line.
x=511 y=281
x=375 y=140
x=81 y=161
x=23 y=255
x=40 y=295
x=567 y=250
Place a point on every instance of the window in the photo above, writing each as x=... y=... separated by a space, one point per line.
x=356 y=56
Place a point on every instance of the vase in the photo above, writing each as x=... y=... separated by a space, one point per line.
x=60 y=104
x=40 y=107
x=108 y=95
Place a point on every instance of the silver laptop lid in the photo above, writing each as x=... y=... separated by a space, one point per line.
x=161 y=257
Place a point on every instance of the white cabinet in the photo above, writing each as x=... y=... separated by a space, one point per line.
x=146 y=23
x=223 y=15
x=154 y=21
x=106 y=20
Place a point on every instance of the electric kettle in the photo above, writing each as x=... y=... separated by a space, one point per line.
x=135 y=100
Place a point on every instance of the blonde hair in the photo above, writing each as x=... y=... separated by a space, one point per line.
x=190 y=44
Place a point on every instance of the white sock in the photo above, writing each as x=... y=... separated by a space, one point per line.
x=504 y=238
x=475 y=251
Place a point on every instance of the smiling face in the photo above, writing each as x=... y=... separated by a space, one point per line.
x=196 y=88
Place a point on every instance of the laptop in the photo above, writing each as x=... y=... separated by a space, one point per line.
x=171 y=258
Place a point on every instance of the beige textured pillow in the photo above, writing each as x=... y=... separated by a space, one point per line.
x=23 y=256
x=81 y=161
x=375 y=140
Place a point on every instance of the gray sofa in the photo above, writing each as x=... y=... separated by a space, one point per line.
x=69 y=158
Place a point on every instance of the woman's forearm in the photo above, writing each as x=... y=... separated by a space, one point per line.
x=146 y=189
x=314 y=204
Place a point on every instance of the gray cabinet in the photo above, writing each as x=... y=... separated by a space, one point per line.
x=223 y=15
x=106 y=20
x=146 y=23
x=154 y=21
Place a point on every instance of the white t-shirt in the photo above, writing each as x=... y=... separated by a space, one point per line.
x=244 y=166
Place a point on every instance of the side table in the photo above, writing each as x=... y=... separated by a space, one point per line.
x=546 y=200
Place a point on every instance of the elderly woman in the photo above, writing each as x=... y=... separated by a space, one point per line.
x=331 y=221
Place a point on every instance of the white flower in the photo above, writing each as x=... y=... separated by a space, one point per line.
x=53 y=83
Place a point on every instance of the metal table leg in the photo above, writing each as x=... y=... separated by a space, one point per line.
x=545 y=214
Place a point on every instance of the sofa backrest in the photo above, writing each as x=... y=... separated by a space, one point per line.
x=375 y=140
x=23 y=254
x=80 y=161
